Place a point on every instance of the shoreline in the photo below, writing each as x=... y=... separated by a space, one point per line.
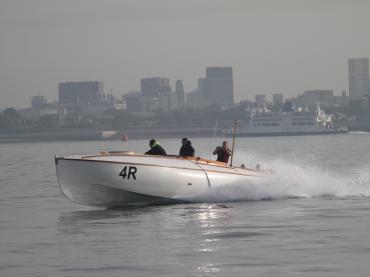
x=67 y=135
x=96 y=135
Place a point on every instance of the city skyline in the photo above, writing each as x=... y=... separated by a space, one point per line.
x=286 y=47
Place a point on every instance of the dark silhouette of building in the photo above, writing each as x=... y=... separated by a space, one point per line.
x=154 y=87
x=80 y=93
x=217 y=88
x=277 y=99
x=324 y=97
x=288 y=107
x=180 y=93
x=39 y=102
x=260 y=100
x=194 y=99
x=132 y=100
x=358 y=78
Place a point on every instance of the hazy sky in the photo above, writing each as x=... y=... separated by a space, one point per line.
x=273 y=46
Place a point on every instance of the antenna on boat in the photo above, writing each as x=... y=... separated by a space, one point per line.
x=213 y=139
x=232 y=149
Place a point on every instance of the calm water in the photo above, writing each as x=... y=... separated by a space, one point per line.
x=311 y=218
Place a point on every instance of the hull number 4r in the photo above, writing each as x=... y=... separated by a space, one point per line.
x=128 y=172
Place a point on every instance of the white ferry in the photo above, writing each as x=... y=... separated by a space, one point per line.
x=263 y=122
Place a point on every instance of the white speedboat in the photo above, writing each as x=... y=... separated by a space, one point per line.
x=124 y=178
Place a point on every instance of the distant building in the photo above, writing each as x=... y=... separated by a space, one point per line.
x=180 y=94
x=165 y=101
x=154 y=87
x=260 y=100
x=132 y=100
x=217 y=88
x=194 y=99
x=277 y=99
x=149 y=105
x=358 y=78
x=246 y=104
x=80 y=93
x=314 y=97
x=324 y=98
x=39 y=102
x=365 y=102
x=155 y=94
x=40 y=109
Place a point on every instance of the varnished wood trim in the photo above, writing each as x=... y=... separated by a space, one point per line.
x=174 y=157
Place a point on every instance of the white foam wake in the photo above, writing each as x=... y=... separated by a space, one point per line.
x=297 y=180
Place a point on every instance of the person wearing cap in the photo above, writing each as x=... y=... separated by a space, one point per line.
x=223 y=152
x=155 y=149
x=186 y=149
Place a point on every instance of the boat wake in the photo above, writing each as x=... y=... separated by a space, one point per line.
x=293 y=180
x=106 y=180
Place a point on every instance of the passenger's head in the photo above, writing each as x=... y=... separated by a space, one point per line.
x=184 y=140
x=225 y=144
x=151 y=142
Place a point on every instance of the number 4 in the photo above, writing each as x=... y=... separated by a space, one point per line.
x=131 y=172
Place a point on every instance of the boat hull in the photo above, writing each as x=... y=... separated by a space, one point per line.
x=114 y=180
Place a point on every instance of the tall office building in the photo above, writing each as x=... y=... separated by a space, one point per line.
x=180 y=93
x=154 y=87
x=80 y=93
x=260 y=100
x=358 y=78
x=277 y=99
x=217 y=88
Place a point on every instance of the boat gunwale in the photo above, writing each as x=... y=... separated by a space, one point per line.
x=84 y=159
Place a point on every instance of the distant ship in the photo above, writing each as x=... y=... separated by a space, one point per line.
x=288 y=123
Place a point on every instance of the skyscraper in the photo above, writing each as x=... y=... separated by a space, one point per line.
x=80 y=93
x=277 y=99
x=180 y=93
x=154 y=87
x=217 y=88
x=358 y=78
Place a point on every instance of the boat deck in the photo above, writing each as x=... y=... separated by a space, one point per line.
x=131 y=153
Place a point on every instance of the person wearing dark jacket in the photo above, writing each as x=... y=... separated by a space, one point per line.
x=155 y=149
x=186 y=149
x=223 y=152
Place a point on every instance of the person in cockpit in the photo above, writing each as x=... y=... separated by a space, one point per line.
x=155 y=149
x=186 y=149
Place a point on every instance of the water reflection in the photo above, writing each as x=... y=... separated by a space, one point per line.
x=177 y=232
x=208 y=268
x=211 y=220
x=204 y=216
x=207 y=216
x=76 y=222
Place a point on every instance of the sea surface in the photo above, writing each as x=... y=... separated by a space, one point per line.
x=310 y=218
